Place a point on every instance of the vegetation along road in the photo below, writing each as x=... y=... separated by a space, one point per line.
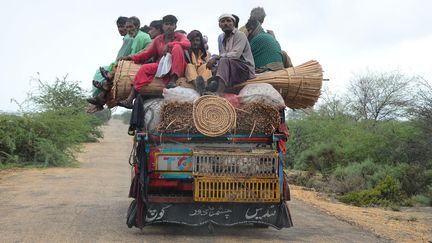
x=89 y=204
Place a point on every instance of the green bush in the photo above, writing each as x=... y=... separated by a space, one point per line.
x=321 y=157
x=348 y=140
x=357 y=176
x=386 y=193
x=413 y=178
x=52 y=134
x=103 y=115
x=423 y=199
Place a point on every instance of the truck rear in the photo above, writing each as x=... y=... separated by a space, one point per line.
x=196 y=179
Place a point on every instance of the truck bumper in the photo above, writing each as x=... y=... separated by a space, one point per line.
x=224 y=214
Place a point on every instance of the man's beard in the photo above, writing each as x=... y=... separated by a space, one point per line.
x=228 y=31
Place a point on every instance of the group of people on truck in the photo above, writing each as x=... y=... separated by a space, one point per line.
x=242 y=53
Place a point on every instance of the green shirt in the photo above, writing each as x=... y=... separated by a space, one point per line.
x=126 y=48
x=140 y=42
x=266 y=51
x=130 y=46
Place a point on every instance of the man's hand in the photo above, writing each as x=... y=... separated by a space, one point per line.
x=212 y=62
x=128 y=58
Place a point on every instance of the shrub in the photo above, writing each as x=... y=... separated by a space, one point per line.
x=350 y=141
x=50 y=135
x=423 y=199
x=320 y=157
x=386 y=193
x=103 y=115
x=357 y=176
x=414 y=179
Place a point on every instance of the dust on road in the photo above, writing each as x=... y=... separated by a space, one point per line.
x=89 y=204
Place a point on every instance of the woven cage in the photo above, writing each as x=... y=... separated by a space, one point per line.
x=300 y=86
x=235 y=189
x=213 y=116
x=257 y=163
x=122 y=84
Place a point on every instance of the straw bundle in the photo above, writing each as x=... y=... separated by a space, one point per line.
x=252 y=118
x=122 y=83
x=176 y=117
x=213 y=116
x=257 y=118
x=300 y=86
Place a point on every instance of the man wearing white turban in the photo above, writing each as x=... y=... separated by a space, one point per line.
x=235 y=63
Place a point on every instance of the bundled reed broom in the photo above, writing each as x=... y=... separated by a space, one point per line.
x=300 y=86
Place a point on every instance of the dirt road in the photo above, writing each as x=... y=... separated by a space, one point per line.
x=89 y=204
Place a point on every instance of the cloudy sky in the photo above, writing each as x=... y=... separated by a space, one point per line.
x=57 y=38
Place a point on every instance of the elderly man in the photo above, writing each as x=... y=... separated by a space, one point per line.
x=141 y=39
x=266 y=50
x=235 y=61
x=259 y=14
x=168 y=42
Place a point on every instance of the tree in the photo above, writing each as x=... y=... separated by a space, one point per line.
x=419 y=150
x=423 y=110
x=381 y=95
x=333 y=105
x=61 y=95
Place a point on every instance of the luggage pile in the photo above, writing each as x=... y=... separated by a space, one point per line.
x=300 y=86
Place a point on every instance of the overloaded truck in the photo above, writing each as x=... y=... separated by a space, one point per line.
x=217 y=159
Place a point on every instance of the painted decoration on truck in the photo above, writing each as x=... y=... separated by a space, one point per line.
x=173 y=162
x=171 y=159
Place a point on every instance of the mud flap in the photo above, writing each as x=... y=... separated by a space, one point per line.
x=225 y=214
x=131 y=214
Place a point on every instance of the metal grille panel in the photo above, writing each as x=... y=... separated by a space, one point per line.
x=230 y=189
x=257 y=163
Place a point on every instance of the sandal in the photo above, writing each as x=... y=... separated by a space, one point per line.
x=104 y=74
x=199 y=84
x=101 y=85
x=126 y=104
x=94 y=108
x=96 y=101
x=171 y=84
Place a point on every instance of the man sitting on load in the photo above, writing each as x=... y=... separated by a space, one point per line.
x=124 y=51
x=140 y=41
x=266 y=50
x=169 y=42
x=235 y=61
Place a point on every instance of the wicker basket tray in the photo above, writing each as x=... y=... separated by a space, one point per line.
x=233 y=189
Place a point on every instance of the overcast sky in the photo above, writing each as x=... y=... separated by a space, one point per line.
x=55 y=38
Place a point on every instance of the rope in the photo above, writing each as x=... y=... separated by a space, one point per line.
x=289 y=82
x=298 y=88
x=213 y=116
x=116 y=79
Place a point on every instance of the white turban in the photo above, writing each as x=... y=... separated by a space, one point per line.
x=227 y=16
